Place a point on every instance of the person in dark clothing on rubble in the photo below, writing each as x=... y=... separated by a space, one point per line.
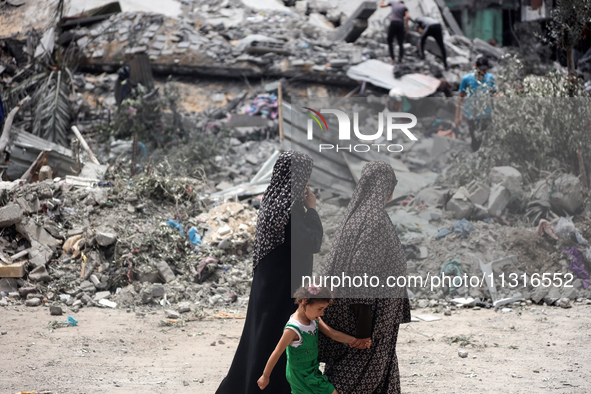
x=430 y=27
x=398 y=27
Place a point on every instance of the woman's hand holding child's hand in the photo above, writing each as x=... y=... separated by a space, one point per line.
x=361 y=343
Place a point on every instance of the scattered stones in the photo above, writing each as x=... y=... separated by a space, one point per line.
x=498 y=200
x=33 y=302
x=165 y=271
x=39 y=274
x=564 y=303
x=105 y=238
x=170 y=314
x=184 y=307
x=567 y=195
x=509 y=177
x=55 y=310
x=10 y=214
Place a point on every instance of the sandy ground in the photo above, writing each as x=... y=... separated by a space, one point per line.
x=528 y=350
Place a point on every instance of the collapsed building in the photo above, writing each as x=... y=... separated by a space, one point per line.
x=76 y=234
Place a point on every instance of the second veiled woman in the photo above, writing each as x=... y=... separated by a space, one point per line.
x=366 y=244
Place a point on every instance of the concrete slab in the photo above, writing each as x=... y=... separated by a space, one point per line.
x=381 y=74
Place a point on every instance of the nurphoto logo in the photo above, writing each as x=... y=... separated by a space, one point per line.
x=391 y=121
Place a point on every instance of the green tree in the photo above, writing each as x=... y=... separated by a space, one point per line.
x=569 y=18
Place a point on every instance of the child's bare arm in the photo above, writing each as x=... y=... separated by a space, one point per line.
x=338 y=336
x=287 y=337
x=334 y=334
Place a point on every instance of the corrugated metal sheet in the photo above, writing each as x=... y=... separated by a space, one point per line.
x=27 y=147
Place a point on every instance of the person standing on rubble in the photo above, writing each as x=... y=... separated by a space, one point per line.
x=398 y=27
x=430 y=27
x=288 y=229
x=476 y=89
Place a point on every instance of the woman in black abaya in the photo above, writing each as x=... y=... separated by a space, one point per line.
x=288 y=230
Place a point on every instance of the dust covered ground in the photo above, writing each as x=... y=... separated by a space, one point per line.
x=531 y=349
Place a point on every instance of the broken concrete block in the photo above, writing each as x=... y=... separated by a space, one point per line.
x=225 y=243
x=539 y=294
x=39 y=274
x=298 y=63
x=567 y=195
x=184 y=307
x=479 y=213
x=104 y=238
x=86 y=300
x=101 y=196
x=498 y=200
x=26 y=292
x=36 y=235
x=40 y=255
x=55 y=310
x=165 y=271
x=100 y=295
x=478 y=193
x=33 y=302
x=356 y=24
x=301 y=6
x=87 y=286
x=8 y=285
x=552 y=296
x=564 y=303
x=95 y=280
x=338 y=63
x=459 y=205
x=145 y=296
x=14 y=270
x=170 y=314
x=107 y=303
x=45 y=173
x=158 y=291
x=93 y=171
x=570 y=292
x=487 y=49
x=460 y=209
x=424 y=252
x=430 y=197
x=508 y=177
x=29 y=204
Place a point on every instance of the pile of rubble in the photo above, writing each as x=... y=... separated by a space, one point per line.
x=159 y=241
x=122 y=245
x=184 y=244
x=219 y=38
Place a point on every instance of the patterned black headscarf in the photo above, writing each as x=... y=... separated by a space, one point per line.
x=284 y=194
x=366 y=241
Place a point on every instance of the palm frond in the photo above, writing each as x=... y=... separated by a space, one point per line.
x=53 y=110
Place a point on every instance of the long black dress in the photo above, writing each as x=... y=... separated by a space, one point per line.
x=270 y=306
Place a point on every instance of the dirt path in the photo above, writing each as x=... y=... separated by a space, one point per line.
x=529 y=350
